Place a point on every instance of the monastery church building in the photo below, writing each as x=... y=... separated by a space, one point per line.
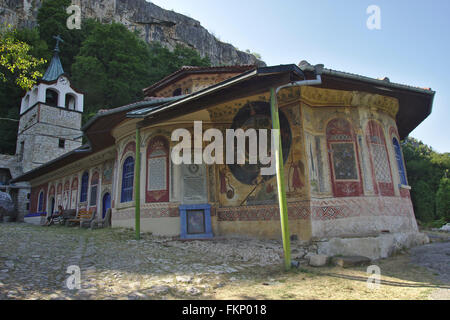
x=343 y=166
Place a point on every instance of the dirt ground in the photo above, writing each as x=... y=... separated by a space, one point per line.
x=36 y=262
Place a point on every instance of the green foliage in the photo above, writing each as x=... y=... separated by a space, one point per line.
x=112 y=67
x=52 y=20
x=11 y=94
x=164 y=62
x=16 y=60
x=106 y=62
x=424 y=202
x=427 y=171
x=443 y=199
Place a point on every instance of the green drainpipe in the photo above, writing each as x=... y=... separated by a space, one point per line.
x=280 y=182
x=137 y=185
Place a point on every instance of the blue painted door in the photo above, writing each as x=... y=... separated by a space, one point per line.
x=106 y=204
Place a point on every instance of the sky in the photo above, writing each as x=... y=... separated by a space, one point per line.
x=412 y=47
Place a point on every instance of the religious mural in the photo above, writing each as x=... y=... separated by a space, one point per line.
x=343 y=158
x=381 y=167
x=73 y=201
x=158 y=170
x=242 y=184
x=66 y=195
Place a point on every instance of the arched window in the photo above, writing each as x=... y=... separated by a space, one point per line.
x=84 y=187
x=343 y=158
x=158 y=170
x=70 y=102
x=94 y=189
x=399 y=158
x=51 y=97
x=41 y=202
x=381 y=168
x=127 y=180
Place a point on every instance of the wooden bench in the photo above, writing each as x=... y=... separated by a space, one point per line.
x=83 y=215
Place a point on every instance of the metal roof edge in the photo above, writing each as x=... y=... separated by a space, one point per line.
x=379 y=82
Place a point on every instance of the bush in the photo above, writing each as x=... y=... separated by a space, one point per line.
x=443 y=199
x=424 y=201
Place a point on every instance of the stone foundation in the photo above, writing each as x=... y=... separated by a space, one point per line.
x=373 y=247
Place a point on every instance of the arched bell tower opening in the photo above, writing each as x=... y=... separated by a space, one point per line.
x=50 y=117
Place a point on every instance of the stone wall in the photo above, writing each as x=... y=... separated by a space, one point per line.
x=40 y=130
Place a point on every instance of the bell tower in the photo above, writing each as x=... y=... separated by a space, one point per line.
x=50 y=117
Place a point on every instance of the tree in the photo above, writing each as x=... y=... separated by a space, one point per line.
x=11 y=94
x=424 y=203
x=52 y=20
x=112 y=67
x=16 y=60
x=425 y=171
x=164 y=62
x=443 y=199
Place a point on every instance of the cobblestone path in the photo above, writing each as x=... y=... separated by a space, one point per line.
x=34 y=261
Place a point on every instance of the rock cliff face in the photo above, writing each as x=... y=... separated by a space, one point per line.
x=153 y=23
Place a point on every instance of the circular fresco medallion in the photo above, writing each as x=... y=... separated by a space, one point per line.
x=256 y=115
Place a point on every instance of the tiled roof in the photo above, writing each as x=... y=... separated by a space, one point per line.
x=185 y=70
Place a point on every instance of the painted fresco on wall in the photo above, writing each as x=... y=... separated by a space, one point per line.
x=66 y=195
x=381 y=168
x=343 y=157
x=239 y=185
x=344 y=161
x=107 y=173
x=59 y=196
x=73 y=200
x=256 y=115
x=158 y=170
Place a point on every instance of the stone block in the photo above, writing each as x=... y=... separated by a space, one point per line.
x=351 y=261
x=318 y=260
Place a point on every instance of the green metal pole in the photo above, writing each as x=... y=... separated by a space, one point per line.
x=280 y=182
x=137 y=184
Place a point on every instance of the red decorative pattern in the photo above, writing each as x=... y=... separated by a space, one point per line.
x=357 y=207
x=52 y=191
x=130 y=147
x=146 y=213
x=340 y=131
x=75 y=183
x=405 y=193
x=158 y=147
x=59 y=189
x=296 y=211
x=95 y=178
x=379 y=159
x=34 y=197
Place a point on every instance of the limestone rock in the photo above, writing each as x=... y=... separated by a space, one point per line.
x=153 y=23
